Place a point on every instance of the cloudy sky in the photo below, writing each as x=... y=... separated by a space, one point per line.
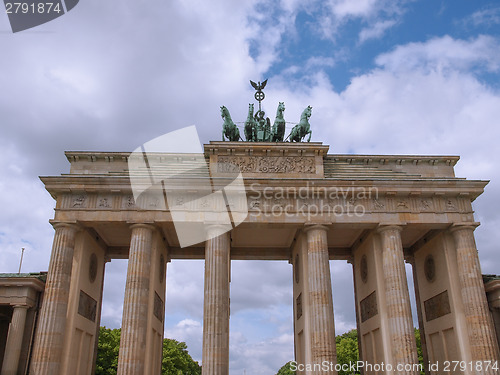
x=382 y=76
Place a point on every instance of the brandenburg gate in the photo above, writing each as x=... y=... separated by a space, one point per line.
x=299 y=204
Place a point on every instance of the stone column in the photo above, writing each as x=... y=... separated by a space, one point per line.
x=402 y=336
x=215 y=359
x=49 y=339
x=14 y=340
x=132 y=355
x=421 y=325
x=480 y=328
x=357 y=312
x=321 y=321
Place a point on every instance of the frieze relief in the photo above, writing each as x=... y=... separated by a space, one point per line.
x=79 y=201
x=402 y=205
x=425 y=204
x=450 y=204
x=128 y=202
x=352 y=204
x=104 y=202
x=266 y=164
x=378 y=204
x=337 y=205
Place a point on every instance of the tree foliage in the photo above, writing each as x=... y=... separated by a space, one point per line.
x=348 y=352
x=347 y=349
x=286 y=370
x=107 y=351
x=175 y=361
x=419 y=350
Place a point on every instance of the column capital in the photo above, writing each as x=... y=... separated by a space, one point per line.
x=385 y=227
x=66 y=224
x=21 y=306
x=215 y=230
x=150 y=226
x=310 y=226
x=461 y=226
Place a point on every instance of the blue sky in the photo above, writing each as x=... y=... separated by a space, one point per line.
x=382 y=76
x=351 y=44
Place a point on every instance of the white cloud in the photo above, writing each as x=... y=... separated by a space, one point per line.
x=377 y=16
x=444 y=54
x=376 y=30
x=25 y=213
x=265 y=357
x=316 y=62
x=185 y=288
x=191 y=332
x=347 y=8
x=489 y=16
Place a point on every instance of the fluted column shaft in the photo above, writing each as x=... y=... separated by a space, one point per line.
x=215 y=360
x=321 y=320
x=482 y=338
x=49 y=339
x=132 y=355
x=402 y=336
x=14 y=340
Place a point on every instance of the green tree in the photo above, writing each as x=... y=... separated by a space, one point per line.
x=285 y=370
x=107 y=351
x=175 y=361
x=347 y=349
x=419 y=350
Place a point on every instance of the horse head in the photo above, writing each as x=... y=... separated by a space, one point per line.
x=250 y=110
x=225 y=113
x=281 y=107
x=307 y=112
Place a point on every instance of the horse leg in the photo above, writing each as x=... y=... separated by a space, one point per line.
x=310 y=133
x=223 y=135
x=281 y=133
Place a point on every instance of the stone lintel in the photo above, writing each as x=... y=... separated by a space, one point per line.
x=19 y=291
x=115 y=163
x=75 y=157
x=22 y=281
x=470 y=189
x=433 y=160
x=266 y=148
